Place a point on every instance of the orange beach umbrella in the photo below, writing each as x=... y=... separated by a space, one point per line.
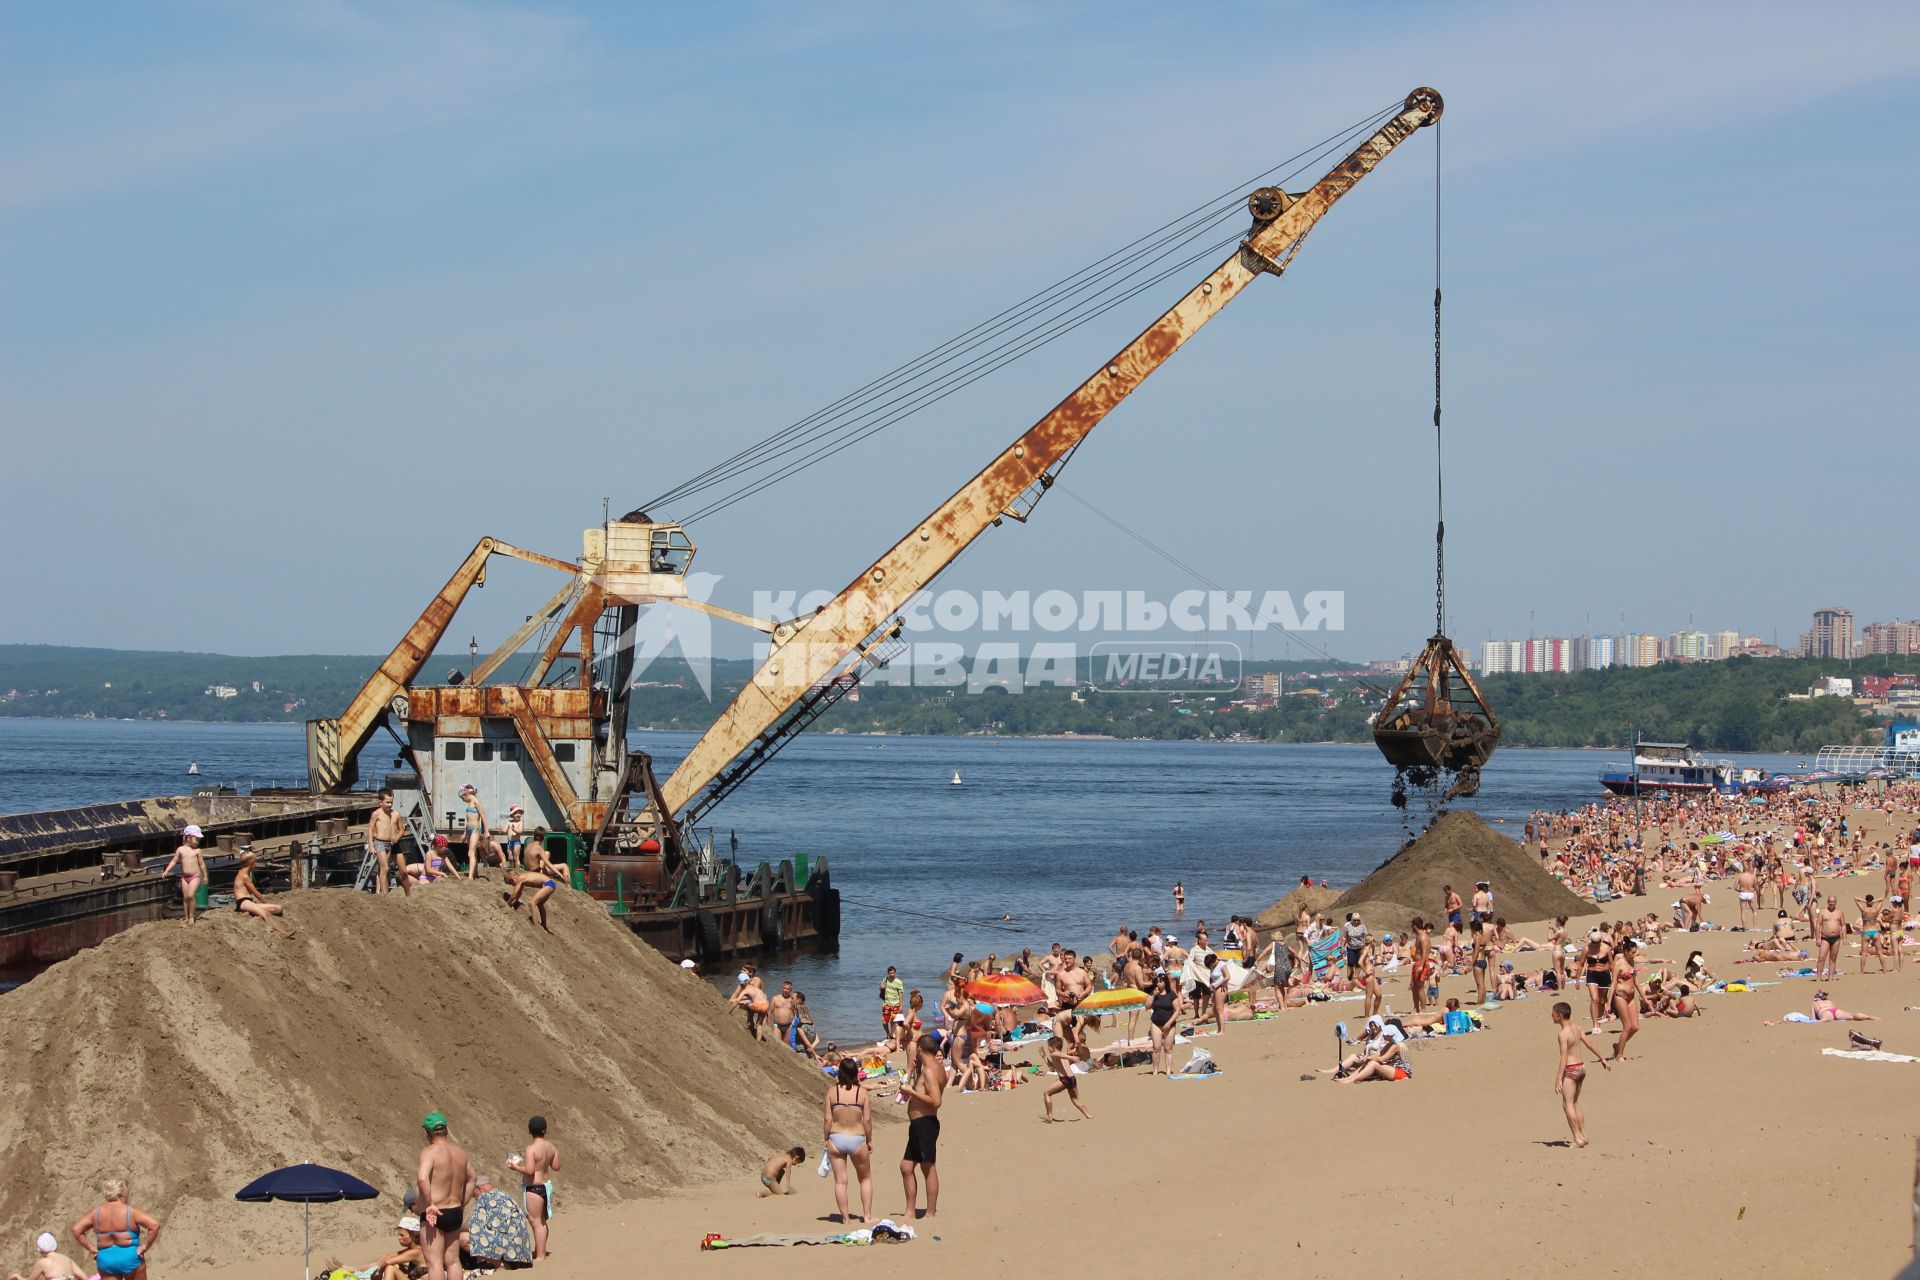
x=1004 y=989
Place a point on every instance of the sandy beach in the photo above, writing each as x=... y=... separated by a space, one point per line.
x=1720 y=1147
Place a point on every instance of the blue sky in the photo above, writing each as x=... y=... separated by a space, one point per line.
x=297 y=301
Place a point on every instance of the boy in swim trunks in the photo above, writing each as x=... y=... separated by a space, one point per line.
x=536 y=1167
x=543 y=875
x=444 y=1185
x=1570 y=1069
x=1061 y=1064
x=193 y=870
x=383 y=832
x=773 y=1174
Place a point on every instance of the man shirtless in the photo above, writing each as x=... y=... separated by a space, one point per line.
x=1074 y=981
x=536 y=1167
x=1694 y=900
x=1422 y=962
x=51 y=1264
x=1453 y=904
x=923 y=1128
x=1829 y=931
x=193 y=869
x=1483 y=901
x=1746 y=887
x=444 y=1185
x=383 y=832
x=780 y=1010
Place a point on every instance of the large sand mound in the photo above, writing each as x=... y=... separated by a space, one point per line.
x=192 y=1060
x=1459 y=849
x=1279 y=917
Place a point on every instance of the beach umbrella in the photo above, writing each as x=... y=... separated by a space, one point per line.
x=306 y=1184
x=1004 y=989
x=1117 y=1000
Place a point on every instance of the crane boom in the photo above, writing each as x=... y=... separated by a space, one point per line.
x=807 y=651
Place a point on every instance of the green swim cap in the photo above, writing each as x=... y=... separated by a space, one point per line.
x=433 y=1120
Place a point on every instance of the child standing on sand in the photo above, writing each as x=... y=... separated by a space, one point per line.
x=1569 y=1069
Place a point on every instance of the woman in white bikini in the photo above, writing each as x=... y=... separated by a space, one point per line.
x=849 y=1136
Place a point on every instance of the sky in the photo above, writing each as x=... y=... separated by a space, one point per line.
x=298 y=301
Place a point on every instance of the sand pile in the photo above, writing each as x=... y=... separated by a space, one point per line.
x=1459 y=849
x=1280 y=916
x=192 y=1060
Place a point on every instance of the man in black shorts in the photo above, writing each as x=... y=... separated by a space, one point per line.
x=923 y=1128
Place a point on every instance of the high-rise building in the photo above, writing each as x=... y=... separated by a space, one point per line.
x=1890 y=637
x=1644 y=650
x=1725 y=644
x=1546 y=653
x=1262 y=687
x=1600 y=653
x=1500 y=657
x=1831 y=635
x=1693 y=646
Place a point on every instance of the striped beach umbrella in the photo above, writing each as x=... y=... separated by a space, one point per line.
x=1117 y=1000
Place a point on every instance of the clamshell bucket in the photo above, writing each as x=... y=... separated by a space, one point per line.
x=1436 y=720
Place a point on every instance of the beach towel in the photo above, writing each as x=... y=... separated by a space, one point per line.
x=886 y=1231
x=1326 y=949
x=1797 y=1016
x=1869 y=1055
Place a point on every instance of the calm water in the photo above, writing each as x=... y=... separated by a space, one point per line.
x=1072 y=839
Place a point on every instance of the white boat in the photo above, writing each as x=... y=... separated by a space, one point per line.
x=956 y=777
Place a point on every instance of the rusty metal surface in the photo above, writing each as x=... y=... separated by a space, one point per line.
x=60 y=835
x=1436 y=717
x=815 y=646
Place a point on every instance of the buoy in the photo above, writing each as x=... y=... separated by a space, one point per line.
x=649 y=845
x=193 y=768
x=956 y=777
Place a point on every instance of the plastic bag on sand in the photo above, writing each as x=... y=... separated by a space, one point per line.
x=826 y=1162
x=1200 y=1064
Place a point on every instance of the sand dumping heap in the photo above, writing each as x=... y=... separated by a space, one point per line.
x=1458 y=849
x=190 y=1060
x=1279 y=918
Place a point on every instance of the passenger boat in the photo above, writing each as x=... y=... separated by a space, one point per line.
x=1675 y=768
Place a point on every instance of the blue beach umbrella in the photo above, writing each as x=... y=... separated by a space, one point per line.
x=306 y=1184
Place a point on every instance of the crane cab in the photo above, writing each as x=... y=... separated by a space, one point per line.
x=641 y=561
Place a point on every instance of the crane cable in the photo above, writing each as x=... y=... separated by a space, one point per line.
x=920 y=381
x=1439 y=460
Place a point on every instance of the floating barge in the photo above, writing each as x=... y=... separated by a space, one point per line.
x=71 y=878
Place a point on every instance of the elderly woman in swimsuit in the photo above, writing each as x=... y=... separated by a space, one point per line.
x=248 y=900
x=849 y=1136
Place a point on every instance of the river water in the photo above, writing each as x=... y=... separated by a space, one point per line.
x=1070 y=838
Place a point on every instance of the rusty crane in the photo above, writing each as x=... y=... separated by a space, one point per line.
x=555 y=740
